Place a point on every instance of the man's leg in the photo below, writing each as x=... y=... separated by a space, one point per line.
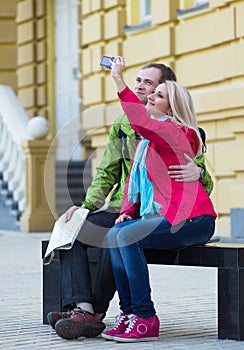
x=73 y=265
x=93 y=234
x=75 y=274
x=105 y=288
x=76 y=279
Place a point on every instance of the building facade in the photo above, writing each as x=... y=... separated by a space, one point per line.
x=50 y=55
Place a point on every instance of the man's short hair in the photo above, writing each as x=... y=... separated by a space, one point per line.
x=166 y=72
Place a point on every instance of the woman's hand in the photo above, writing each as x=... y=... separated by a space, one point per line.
x=123 y=218
x=70 y=212
x=117 y=68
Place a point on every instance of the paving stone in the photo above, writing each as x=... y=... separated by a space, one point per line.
x=185 y=299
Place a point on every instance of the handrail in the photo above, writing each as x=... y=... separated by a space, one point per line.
x=13 y=130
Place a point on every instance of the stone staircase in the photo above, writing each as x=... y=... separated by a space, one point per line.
x=9 y=213
x=72 y=181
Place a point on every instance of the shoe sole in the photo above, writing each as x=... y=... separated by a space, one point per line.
x=134 y=340
x=68 y=329
x=107 y=336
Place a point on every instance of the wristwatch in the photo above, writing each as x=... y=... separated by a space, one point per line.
x=202 y=173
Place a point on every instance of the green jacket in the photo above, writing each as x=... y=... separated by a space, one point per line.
x=115 y=167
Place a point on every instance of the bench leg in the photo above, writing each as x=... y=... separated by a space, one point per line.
x=51 y=285
x=231 y=303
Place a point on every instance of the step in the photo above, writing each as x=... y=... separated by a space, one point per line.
x=72 y=180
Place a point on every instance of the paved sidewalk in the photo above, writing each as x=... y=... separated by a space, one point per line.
x=185 y=300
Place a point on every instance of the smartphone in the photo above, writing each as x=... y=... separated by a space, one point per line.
x=105 y=61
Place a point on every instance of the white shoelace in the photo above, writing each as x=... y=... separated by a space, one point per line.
x=118 y=320
x=131 y=322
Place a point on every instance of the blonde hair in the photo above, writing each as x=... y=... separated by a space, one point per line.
x=182 y=107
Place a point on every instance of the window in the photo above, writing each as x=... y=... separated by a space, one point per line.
x=191 y=6
x=139 y=15
x=145 y=6
x=200 y=2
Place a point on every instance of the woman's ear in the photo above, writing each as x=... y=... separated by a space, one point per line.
x=169 y=112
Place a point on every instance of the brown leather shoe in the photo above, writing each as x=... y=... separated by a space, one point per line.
x=80 y=324
x=54 y=317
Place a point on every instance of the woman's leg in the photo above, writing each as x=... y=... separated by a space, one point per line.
x=120 y=275
x=154 y=233
x=130 y=271
x=195 y=231
x=157 y=233
x=137 y=273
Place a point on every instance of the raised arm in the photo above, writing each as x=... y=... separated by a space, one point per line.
x=165 y=134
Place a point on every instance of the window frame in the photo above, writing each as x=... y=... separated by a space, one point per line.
x=145 y=17
x=202 y=6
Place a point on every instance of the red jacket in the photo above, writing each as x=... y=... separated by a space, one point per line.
x=167 y=144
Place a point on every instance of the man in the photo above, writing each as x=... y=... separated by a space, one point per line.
x=76 y=291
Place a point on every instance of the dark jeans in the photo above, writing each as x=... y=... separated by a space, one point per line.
x=75 y=274
x=127 y=242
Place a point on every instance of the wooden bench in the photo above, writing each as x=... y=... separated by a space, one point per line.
x=227 y=257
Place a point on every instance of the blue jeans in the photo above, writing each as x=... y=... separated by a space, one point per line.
x=127 y=241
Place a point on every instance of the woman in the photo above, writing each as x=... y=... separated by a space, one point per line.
x=157 y=212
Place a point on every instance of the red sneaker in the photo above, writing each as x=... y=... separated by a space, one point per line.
x=80 y=324
x=54 y=317
x=140 y=329
x=118 y=328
